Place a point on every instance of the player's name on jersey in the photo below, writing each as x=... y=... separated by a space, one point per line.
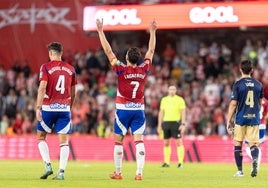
x=60 y=68
x=129 y=76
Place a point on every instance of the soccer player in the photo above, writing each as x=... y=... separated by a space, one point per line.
x=130 y=97
x=56 y=94
x=172 y=119
x=262 y=129
x=245 y=105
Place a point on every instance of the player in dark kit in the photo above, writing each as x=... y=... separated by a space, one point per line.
x=244 y=111
x=55 y=98
x=130 y=98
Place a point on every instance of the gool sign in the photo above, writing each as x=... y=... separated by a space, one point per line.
x=221 y=14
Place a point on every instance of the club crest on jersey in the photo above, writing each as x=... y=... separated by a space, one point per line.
x=57 y=106
x=133 y=105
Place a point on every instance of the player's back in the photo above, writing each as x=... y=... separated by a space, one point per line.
x=248 y=93
x=131 y=85
x=132 y=80
x=60 y=77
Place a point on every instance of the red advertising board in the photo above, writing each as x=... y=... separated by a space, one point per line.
x=197 y=149
x=171 y=16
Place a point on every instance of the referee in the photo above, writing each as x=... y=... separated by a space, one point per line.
x=171 y=119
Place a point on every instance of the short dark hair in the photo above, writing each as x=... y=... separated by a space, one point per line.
x=56 y=46
x=172 y=83
x=134 y=55
x=246 y=66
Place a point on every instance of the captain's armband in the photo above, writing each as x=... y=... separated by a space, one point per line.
x=115 y=61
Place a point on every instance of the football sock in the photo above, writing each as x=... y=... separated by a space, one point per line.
x=259 y=158
x=44 y=151
x=238 y=157
x=167 y=152
x=180 y=151
x=140 y=156
x=254 y=152
x=248 y=151
x=64 y=155
x=118 y=157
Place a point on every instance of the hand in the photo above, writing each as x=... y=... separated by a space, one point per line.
x=38 y=115
x=182 y=128
x=230 y=128
x=153 y=25
x=99 y=24
x=159 y=129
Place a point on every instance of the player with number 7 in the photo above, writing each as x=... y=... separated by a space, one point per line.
x=130 y=113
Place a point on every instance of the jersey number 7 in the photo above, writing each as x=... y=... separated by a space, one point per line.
x=135 y=89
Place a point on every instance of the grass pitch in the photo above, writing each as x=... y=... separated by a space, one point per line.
x=82 y=174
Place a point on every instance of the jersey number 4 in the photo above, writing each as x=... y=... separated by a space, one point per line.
x=60 y=86
x=250 y=99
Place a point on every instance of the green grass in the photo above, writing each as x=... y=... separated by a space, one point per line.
x=90 y=174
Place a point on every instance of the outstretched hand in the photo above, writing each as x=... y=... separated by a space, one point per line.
x=153 y=25
x=99 y=24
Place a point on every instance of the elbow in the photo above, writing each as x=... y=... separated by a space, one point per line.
x=42 y=90
x=73 y=94
x=108 y=51
x=152 y=51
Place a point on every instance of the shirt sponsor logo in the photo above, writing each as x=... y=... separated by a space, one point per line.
x=133 y=105
x=250 y=116
x=249 y=84
x=58 y=106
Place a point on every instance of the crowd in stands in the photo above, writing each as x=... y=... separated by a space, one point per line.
x=204 y=79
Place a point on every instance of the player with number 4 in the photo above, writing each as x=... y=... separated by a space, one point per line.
x=130 y=97
x=244 y=111
x=55 y=98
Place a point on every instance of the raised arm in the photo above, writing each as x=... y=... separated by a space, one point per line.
x=104 y=43
x=151 y=46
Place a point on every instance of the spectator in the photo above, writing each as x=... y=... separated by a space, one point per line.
x=26 y=69
x=4 y=123
x=17 y=123
x=26 y=125
x=11 y=103
x=10 y=129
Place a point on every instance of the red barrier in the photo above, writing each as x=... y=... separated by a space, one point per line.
x=197 y=149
